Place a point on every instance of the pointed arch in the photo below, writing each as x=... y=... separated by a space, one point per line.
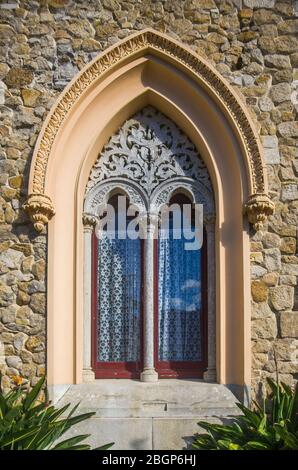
x=257 y=205
x=147 y=68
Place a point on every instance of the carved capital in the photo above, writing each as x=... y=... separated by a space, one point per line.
x=209 y=221
x=89 y=221
x=258 y=208
x=40 y=209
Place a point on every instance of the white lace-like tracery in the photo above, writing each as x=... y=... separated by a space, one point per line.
x=150 y=149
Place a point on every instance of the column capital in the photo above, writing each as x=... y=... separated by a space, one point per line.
x=154 y=218
x=152 y=227
x=149 y=222
x=89 y=221
x=209 y=221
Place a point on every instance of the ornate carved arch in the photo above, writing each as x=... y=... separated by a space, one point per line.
x=258 y=205
x=199 y=194
x=149 y=158
x=98 y=196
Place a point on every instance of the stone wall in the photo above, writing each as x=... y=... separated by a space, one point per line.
x=253 y=43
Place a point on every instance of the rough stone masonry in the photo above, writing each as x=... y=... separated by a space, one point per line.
x=252 y=43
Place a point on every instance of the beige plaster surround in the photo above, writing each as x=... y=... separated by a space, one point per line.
x=147 y=68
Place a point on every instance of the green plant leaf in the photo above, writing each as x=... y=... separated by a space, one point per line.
x=275 y=426
x=33 y=394
x=16 y=437
x=67 y=443
x=26 y=424
x=253 y=417
x=256 y=446
x=290 y=440
x=105 y=447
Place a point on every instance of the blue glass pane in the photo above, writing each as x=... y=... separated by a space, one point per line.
x=179 y=301
x=119 y=300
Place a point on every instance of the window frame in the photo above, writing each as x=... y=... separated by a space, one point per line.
x=112 y=370
x=183 y=369
x=165 y=369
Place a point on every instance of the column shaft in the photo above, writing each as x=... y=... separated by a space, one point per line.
x=149 y=374
x=88 y=374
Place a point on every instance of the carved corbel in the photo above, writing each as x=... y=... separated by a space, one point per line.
x=258 y=208
x=40 y=209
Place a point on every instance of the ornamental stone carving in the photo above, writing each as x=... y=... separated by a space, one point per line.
x=98 y=196
x=258 y=208
x=147 y=40
x=197 y=192
x=149 y=149
x=144 y=42
x=40 y=209
x=149 y=158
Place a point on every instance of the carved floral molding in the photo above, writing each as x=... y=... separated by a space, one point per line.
x=150 y=158
x=145 y=41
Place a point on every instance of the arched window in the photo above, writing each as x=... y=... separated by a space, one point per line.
x=117 y=297
x=181 y=292
x=150 y=306
x=179 y=297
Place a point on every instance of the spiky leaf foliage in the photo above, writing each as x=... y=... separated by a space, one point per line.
x=271 y=427
x=28 y=424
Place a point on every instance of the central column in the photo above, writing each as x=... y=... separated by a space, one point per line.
x=149 y=374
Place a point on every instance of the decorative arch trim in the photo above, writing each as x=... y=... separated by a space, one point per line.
x=258 y=206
